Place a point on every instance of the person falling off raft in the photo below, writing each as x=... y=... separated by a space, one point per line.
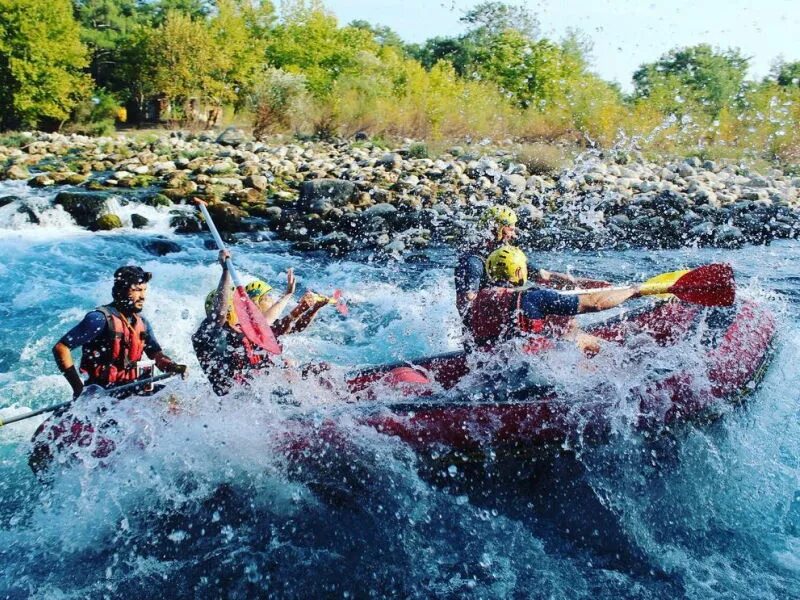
x=505 y=310
x=224 y=352
x=113 y=338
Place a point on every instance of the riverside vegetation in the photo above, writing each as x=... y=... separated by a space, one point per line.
x=696 y=154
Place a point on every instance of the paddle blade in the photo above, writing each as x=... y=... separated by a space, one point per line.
x=659 y=284
x=341 y=305
x=254 y=325
x=709 y=285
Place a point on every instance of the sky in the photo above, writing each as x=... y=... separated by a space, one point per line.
x=625 y=33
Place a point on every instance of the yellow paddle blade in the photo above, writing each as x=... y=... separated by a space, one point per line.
x=321 y=298
x=658 y=285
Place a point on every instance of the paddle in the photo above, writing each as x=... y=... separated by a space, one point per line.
x=335 y=299
x=709 y=285
x=87 y=390
x=251 y=319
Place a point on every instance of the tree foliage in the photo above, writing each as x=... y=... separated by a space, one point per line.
x=41 y=63
x=710 y=77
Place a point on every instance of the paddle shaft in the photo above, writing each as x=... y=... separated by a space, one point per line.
x=55 y=407
x=220 y=244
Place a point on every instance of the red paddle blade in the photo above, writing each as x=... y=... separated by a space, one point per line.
x=341 y=306
x=709 y=285
x=254 y=325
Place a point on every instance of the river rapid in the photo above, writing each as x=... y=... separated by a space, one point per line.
x=203 y=503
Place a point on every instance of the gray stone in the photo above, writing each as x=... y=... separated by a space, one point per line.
x=232 y=136
x=686 y=170
x=703 y=230
x=759 y=182
x=85 y=207
x=751 y=194
x=512 y=182
x=379 y=210
x=728 y=235
x=391 y=160
x=336 y=191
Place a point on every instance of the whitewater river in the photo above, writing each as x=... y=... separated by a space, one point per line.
x=202 y=504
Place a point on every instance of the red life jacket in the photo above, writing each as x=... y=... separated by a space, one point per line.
x=496 y=317
x=111 y=359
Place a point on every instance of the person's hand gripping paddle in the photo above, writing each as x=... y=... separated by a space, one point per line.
x=251 y=320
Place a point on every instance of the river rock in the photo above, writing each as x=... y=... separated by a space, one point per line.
x=257 y=182
x=17 y=172
x=232 y=136
x=379 y=210
x=391 y=161
x=107 y=222
x=6 y=200
x=728 y=235
x=41 y=181
x=138 y=221
x=335 y=191
x=85 y=207
x=227 y=217
x=161 y=247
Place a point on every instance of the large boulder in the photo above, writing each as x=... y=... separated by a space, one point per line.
x=160 y=246
x=84 y=207
x=228 y=217
x=336 y=192
x=232 y=136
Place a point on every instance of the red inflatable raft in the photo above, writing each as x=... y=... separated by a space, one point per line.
x=420 y=401
x=735 y=347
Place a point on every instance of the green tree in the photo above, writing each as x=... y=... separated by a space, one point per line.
x=382 y=35
x=105 y=27
x=309 y=42
x=787 y=74
x=491 y=19
x=710 y=77
x=41 y=63
x=239 y=30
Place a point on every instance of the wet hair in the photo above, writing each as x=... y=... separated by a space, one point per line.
x=125 y=278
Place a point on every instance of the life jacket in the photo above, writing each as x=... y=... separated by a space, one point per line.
x=111 y=359
x=248 y=358
x=496 y=317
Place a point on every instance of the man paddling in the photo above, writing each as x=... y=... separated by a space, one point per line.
x=224 y=352
x=113 y=338
x=504 y=310
x=496 y=228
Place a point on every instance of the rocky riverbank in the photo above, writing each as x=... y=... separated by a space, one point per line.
x=354 y=195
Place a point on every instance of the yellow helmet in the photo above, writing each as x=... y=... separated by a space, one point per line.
x=230 y=318
x=499 y=215
x=257 y=288
x=507 y=263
